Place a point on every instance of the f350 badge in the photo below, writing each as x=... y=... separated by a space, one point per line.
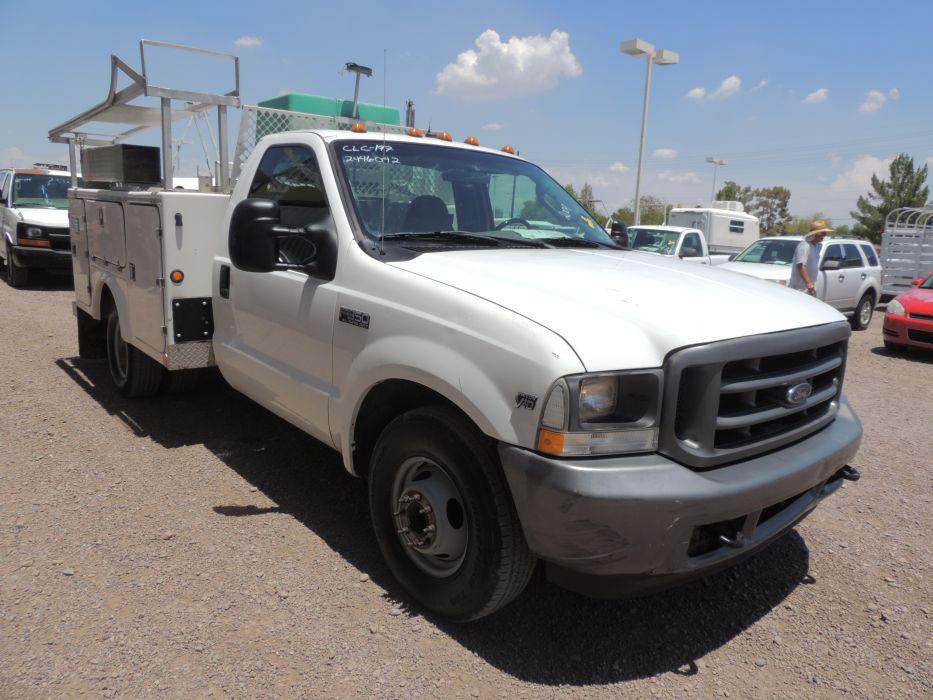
x=526 y=401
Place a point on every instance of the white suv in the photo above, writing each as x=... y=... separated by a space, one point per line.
x=849 y=277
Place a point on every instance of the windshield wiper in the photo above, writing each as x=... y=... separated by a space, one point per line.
x=562 y=242
x=452 y=236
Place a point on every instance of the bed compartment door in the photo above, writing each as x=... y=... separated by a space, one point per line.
x=144 y=271
x=80 y=265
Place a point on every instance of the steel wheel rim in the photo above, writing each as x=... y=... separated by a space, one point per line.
x=429 y=516
x=865 y=313
x=120 y=355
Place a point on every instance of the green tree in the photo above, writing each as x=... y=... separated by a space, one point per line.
x=571 y=191
x=906 y=188
x=625 y=214
x=770 y=206
x=731 y=191
x=800 y=225
x=653 y=210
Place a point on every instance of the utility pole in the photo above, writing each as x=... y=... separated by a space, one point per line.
x=716 y=162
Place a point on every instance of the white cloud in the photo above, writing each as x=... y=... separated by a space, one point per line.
x=618 y=167
x=760 y=85
x=520 y=66
x=727 y=88
x=248 y=42
x=665 y=153
x=858 y=177
x=688 y=177
x=493 y=126
x=875 y=99
x=817 y=96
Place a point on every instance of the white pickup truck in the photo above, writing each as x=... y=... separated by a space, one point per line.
x=687 y=244
x=512 y=398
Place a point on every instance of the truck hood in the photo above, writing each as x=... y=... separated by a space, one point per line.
x=619 y=309
x=762 y=271
x=53 y=218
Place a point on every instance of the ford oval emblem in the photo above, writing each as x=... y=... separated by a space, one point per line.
x=798 y=393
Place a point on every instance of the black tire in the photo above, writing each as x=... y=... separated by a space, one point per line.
x=16 y=276
x=92 y=340
x=180 y=381
x=496 y=564
x=864 y=310
x=135 y=374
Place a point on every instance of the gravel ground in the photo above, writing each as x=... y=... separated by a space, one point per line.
x=199 y=546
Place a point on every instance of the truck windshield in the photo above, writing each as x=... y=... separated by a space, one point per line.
x=36 y=190
x=653 y=240
x=771 y=252
x=401 y=189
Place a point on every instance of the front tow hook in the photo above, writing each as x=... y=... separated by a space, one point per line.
x=850 y=473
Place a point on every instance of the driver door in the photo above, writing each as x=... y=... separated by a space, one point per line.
x=277 y=345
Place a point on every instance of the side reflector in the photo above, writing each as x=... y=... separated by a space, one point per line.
x=415 y=132
x=177 y=276
x=508 y=149
x=550 y=442
x=471 y=141
x=358 y=128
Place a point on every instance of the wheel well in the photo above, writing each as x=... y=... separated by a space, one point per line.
x=106 y=303
x=385 y=402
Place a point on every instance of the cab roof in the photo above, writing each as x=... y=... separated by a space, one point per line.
x=330 y=135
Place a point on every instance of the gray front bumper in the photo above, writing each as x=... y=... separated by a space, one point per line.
x=605 y=523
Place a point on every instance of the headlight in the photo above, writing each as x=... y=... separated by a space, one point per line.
x=895 y=307
x=34 y=232
x=602 y=414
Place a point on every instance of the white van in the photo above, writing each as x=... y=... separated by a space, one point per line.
x=34 y=221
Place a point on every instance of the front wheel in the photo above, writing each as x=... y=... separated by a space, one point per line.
x=135 y=374
x=861 y=319
x=443 y=515
x=16 y=276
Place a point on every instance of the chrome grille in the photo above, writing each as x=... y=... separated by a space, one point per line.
x=730 y=400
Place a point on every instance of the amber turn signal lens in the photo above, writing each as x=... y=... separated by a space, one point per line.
x=177 y=276
x=358 y=128
x=471 y=141
x=445 y=136
x=415 y=132
x=33 y=242
x=550 y=442
x=508 y=149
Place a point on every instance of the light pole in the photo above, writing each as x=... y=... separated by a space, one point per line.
x=663 y=57
x=716 y=163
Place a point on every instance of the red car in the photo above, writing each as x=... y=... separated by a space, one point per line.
x=909 y=318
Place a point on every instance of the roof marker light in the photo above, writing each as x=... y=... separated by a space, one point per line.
x=445 y=136
x=415 y=132
x=358 y=128
x=471 y=140
x=508 y=149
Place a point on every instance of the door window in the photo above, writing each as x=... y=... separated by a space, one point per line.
x=290 y=176
x=4 y=185
x=852 y=258
x=834 y=252
x=691 y=248
x=870 y=255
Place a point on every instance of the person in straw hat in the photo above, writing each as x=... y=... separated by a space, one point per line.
x=807 y=258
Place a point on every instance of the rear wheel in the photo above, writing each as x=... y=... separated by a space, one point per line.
x=16 y=276
x=443 y=515
x=861 y=319
x=135 y=374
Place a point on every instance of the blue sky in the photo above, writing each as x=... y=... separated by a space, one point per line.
x=865 y=67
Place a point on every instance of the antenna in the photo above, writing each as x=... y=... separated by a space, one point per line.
x=359 y=70
x=382 y=225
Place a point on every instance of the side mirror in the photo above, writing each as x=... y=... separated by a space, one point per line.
x=833 y=264
x=256 y=233
x=917 y=282
x=689 y=252
x=733 y=257
x=619 y=233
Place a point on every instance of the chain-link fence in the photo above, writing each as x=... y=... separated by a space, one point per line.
x=257 y=122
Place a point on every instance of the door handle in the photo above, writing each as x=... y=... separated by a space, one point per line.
x=864 y=275
x=842 y=278
x=224 y=284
